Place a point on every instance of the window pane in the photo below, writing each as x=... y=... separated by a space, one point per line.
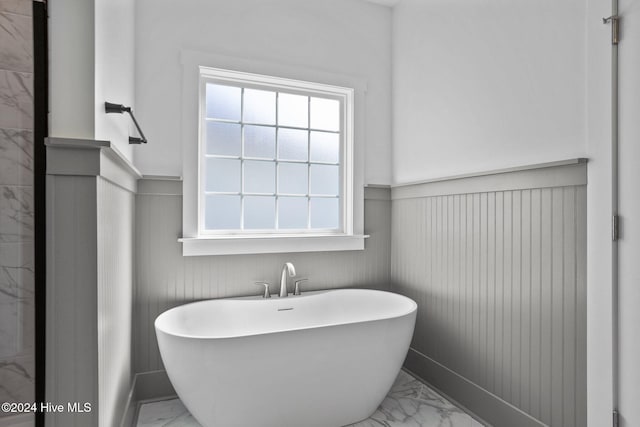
x=223 y=175
x=259 y=107
x=292 y=212
x=292 y=144
x=259 y=141
x=325 y=114
x=259 y=177
x=325 y=147
x=222 y=212
x=223 y=102
x=324 y=213
x=293 y=110
x=223 y=139
x=325 y=180
x=292 y=178
x=259 y=212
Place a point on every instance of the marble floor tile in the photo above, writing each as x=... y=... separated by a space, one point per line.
x=410 y=403
x=165 y=413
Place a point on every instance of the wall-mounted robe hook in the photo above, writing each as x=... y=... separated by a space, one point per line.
x=119 y=108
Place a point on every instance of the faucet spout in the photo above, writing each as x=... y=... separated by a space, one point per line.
x=289 y=269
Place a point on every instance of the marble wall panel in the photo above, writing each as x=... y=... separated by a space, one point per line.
x=16 y=214
x=21 y=7
x=17 y=378
x=17 y=313
x=16 y=157
x=16 y=100
x=16 y=299
x=16 y=40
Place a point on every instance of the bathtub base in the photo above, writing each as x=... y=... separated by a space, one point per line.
x=311 y=378
x=324 y=359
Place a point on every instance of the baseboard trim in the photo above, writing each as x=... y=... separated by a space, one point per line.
x=478 y=401
x=154 y=385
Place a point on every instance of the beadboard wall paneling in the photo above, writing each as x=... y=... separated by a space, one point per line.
x=166 y=279
x=499 y=278
x=90 y=249
x=72 y=268
x=115 y=294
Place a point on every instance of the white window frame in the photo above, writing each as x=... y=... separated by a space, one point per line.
x=199 y=67
x=282 y=85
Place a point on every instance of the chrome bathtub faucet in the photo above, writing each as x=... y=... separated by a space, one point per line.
x=266 y=293
x=291 y=270
x=296 y=291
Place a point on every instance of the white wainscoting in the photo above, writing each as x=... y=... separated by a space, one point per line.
x=90 y=238
x=115 y=295
x=165 y=278
x=499 y=275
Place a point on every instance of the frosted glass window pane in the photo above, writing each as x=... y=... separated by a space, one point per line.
x=325 y=114
x=292 y=178
x=223 y=102
x=259 y=177
x=260 y=141
x=292 y=144
x=259 y=107
x=222 y=212
x=325 y=147
x=293 y=110
x=259 y=212
x=325 y=179
x=223 y=175
x=324 y=213
x=223 y=138
x=292 y=212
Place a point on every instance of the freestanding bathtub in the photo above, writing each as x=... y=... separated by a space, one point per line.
x=324 y=359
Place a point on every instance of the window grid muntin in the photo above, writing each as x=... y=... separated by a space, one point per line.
x=308 y=196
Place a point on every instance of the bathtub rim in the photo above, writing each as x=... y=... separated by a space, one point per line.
x=413 y=310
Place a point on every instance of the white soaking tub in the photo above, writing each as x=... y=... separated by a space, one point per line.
x=322 y=359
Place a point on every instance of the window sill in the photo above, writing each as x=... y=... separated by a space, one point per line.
x=268 y=244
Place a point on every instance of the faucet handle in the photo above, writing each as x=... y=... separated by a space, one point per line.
x=266 y=293
x=296 y=291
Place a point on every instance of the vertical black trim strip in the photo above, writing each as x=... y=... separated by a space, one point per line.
x=40 y=132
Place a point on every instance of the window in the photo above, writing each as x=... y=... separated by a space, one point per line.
x=270 y=164
x=273 y=155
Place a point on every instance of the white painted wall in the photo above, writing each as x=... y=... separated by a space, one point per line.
x=114 y=71
x=486 y=85
x=348 y=37
x=71 y=68
x=496 y=84
x=91 y=60
x=629 y=245
x=599 y=245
